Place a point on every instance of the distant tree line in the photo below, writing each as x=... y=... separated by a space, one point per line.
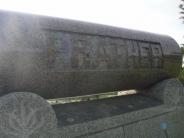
x=181 y=6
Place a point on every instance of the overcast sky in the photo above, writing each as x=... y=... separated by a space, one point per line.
x=158 y=16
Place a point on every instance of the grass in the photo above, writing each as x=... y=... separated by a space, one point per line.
x=89 y=97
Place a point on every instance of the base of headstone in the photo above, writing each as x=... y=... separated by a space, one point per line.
x=157 y=113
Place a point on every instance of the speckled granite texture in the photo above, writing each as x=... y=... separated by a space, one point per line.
x=27 y=115
x=160 y=121
x=56 y=58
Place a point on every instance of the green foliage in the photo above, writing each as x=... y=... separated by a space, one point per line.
x=181 y=6
x=182 y=49
x=181 y=76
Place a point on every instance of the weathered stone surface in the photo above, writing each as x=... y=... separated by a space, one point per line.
x=112 y=133
x=164 y=121
x=108 y=124
x=146 y=123
x=168 y=125
x=151 y=128
x=74 y=113
x=58 y=58
x=26 y=115
x=170 y=92
x=61 y=58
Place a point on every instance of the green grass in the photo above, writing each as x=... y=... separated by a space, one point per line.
x=90 y=97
